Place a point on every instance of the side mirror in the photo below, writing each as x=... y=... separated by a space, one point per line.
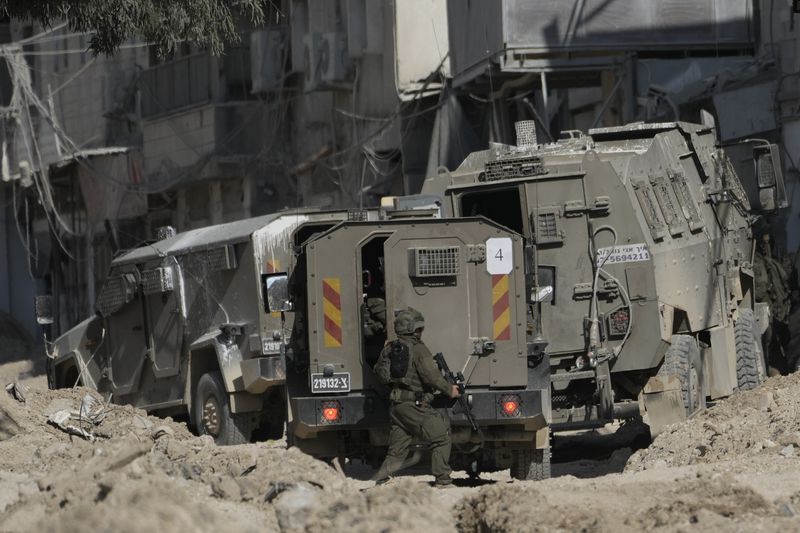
x=277 y=289
x=769 y=177
x=43 y=307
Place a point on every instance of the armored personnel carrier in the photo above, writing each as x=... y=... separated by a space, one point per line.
x=642 y=245
x=182 y=326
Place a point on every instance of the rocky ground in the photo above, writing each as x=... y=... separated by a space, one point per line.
x=735 y=467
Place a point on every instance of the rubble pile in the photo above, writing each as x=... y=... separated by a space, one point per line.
x=763 y=421
x=70 y=461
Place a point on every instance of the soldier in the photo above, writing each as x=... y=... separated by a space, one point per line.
x=407 y=366
x=373 y=312
x=772 y=287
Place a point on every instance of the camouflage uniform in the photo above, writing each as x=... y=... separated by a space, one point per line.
x=374 y=317
x=772 y=287
x=411 y=413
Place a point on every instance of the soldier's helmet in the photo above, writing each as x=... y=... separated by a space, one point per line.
x=419 y=320
x=407 y=321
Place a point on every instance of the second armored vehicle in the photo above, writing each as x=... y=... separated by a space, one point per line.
x=641 y=237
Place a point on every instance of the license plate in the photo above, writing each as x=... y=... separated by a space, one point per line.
x=271 y=347
x=336 y=382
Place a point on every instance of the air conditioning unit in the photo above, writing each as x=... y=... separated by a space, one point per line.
x=315 y=62
x=267 y=59
x=337 y=61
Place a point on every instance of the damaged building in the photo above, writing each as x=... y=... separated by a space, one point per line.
x=337 y=103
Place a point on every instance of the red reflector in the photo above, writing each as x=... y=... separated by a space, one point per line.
x=330 y=411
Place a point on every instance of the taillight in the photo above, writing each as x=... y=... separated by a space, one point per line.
x=509 y=405
x=331 y=412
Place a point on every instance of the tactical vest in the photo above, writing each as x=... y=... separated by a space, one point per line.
x=395 y=366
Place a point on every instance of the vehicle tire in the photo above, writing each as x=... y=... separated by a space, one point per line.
x=683 y=360
x=531 y=464
x=212 y=413
x=749 y=361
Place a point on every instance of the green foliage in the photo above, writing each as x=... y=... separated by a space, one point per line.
x=166 y=23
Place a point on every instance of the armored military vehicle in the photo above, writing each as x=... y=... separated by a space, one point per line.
x=467 y=277
x=643 y=252
x=183 y=326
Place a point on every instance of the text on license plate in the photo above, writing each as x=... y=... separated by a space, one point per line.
x=337 y=382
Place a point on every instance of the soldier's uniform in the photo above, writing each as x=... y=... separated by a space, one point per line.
x=411 y=412
x=374 y=317
x=772 y=287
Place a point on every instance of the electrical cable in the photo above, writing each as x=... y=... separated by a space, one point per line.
x=79 y=50
x=594 y=332
x=85 y=365
x=45 y=33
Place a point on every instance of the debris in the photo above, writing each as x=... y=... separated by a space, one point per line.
x=17 y=391
x=787 y=451
x=293 y=507
x=338 y=466
x=90 y=410
x=162 y=431
x=60 y=419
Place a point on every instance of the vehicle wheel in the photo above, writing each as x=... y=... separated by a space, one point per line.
x=212 y=413
x=683 y=360
x=749 y=361
x=531 y=464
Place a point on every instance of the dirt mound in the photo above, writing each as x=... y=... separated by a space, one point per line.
x=763 y=421
x=404 y=506
x=620 y=503
x=53 y=481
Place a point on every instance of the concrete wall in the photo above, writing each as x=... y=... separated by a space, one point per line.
x=176 y=141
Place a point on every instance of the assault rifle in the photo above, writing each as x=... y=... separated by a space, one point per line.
x=457 y=379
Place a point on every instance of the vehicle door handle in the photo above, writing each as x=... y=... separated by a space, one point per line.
x=137 y=328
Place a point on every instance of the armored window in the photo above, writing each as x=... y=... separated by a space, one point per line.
x=117 y=291
x=547 y=225
x=666 y=200
x=686 y=201
x=435 y=261
x=650 y=210
x=157 y=280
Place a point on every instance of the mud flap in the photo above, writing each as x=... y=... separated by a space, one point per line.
x=663 y=403
x=763 y=316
